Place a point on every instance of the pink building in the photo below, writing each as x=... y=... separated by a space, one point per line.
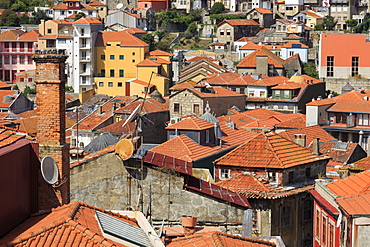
x=157 y=5
x=16 y=50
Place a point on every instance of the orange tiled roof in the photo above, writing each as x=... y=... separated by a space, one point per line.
x=313 y=14
x=95 y=3
x=253 y=46
x=239 y=22
x=88 y=7
x=4 y=84
x=287 y=85
x=311 y=133
x=218 y=92
x=356 y=205
x=10 y=136
x=4 y=93
x=11 y=35
x=250 y=60
x=191 y=123
x=75 y=223
x=263 y=11
x=233 y=137
x=261 y=113
x=353 y=101
x=218 y=239
x=253 y=186
x=30 y=36
x=160 y=53
x=290 y=44
x=268 y=150
x=126 y=39
x=221 y=79
x=61 y=6
x=159 y=60
x=362 y=164
x=196 y=59
x=183 y=85
x=134 y=30
x=148 y=63
x=183 y=148
x=147 y=106
x=351 y=186
x=86 y=20
x=292 y=58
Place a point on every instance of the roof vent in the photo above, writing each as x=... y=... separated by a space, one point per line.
x=366 y=98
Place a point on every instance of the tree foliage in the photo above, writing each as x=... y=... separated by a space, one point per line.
x=221 y=17
x=310 y=70
x=351 y=23
x=149 y=39
x=170 y=16
x=364 y=26
x=9 y=18
x=329 y=23
x=37 y=16
x=191 y=31
x=217 y=8
x=79 y=16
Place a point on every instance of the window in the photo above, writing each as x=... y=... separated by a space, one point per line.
x=207 y=136
x=121 y=57
x=289 y=8
x=355 y=66
x=242 y=90
x=133 y=54
x=30 y=46
x=196 y=108
x=277 y=93
x=133 y=60
x=111 y=57
x=21 y=46
x=110 y=84
x=291 y=53
x=49 y=31
x=6 y=59
x=263 y=94
x=111 y=73
x=331 y=235
x=82 y=31
x=224 y=173
x=83 y=55
x=21 y=59
x=121 y=73
x=30 y=79
x=102 y=57
x=101 y=84
x=222 y=31
x=251 y=93
x=317 y=234
x=70 y=4
x=228 y=31
x=62 y=12
x=176 y=107
x=286 y=93
x=84 y=67
x=29 y=60
x=119 y=84
x=291 y=176
x=285 y=215
x=90 y=13
x=323 y=239
x=102 y=72
x=84 y=79
x=330 y=66
x=21 y=79
x=14 y=59
x=50 y=43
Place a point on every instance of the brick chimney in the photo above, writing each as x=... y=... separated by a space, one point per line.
x=262 y=64
x=50 y=100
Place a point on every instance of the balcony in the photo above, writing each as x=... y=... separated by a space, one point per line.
x=85 y=59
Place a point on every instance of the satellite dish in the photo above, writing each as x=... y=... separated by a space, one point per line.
x=119 y=6
x=132 y=115
x=49 y=170
x=125 y=149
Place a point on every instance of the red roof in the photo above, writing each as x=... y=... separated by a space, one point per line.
x=6 y=93
x=240 y=22
x=126 y=39
x=10 y=136
x=268 y=150
x=191 y=123
x=134 y=30
x=160 y=53
x=221 y=79
x=356 y=205
x=351 y=186
x=218 y=92
x=4 y=84
x=250 y=60
x=353 y=101
x=183 y=85
x=246 y=39
x=86 y=20
x=218 y=239
x=362 y=164
x=196 y=59
x=263 y=10
x=73 y=223
x=95 y=3
x=311 y=133
x=30 y=36
x=147 y=106
x=11 y=35
x=290 y=44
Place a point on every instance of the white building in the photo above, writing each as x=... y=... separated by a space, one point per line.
x=70 y=8
x=295 y=47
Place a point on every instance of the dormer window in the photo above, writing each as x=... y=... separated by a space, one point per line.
x=286 y=93
x=77 y=4
x=70 y=4
x=224 y=174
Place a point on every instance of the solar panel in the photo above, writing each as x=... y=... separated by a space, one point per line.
x=296 y=45
x=123 y=230
x=340 y=146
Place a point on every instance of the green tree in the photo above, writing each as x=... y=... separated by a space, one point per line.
x=217 y=8
x=79 y=16
x=24 y=19
x=149 y=39
x=191 y=31
x=9 y=18
x=37 y=16
x=329 y=23
x=5 y=4
x=19 y=6
x=310 y=70
x=351 y=23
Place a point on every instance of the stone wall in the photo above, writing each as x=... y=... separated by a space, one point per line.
x=110 y=183
x=336 y=85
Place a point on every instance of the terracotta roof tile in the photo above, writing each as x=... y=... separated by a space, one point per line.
x=191 y=123
x=199 y=52
x=351 y=186
x=292 y=58
x=71 y=223
x=219 y=92
x=221 y=79
x=261 y=113
x=6 y=93
x=287 y=85
x=95 y=3
x=61 y=6
x=362 y=164
x=253 y=46
x=30 y=36
x=183 y=85
x=126 y=39
x=134 y=30
x=149 y=106
x=311 y=132
x=197 y=58
x=11 y=35
x=148 y=63
x=250 y=60
x=87 y=20
x=263 y=10
x=239 y=22
x=9 y=136
x=268 y=150
x=356 y=205
x=160 y=53
x=4 y=84
x=246 y=39
x=218 y=239
x=313 y=14
x=290 y=44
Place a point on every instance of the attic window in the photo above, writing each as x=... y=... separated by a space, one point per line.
x=49 y=31
x=224 y=174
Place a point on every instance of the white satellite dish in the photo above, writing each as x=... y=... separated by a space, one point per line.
x=119 y=6
x=132 y=115
x=49 y=170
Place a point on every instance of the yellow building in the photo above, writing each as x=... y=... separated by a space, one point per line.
x=124 y=65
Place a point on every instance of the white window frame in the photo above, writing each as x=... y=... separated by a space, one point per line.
x=224 y=174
